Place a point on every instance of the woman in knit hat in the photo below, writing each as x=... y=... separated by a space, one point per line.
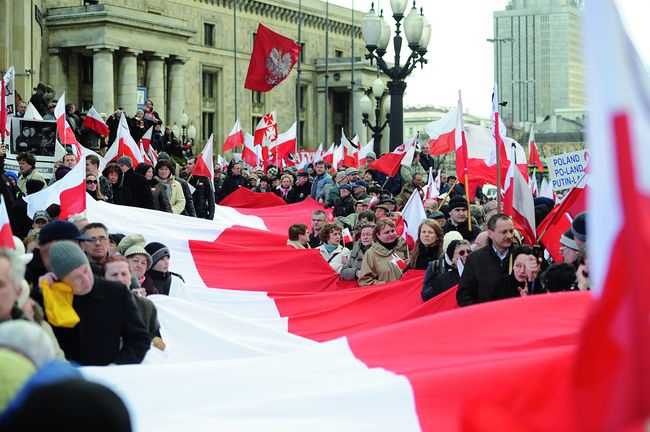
x=165 y=281
x=132 y=248
x=433 y=284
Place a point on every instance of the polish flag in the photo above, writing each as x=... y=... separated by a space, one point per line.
x=318 y=154
x=391 y=163
x=285 y=144
x=532 y=183
x=533 y=154
x=413 y=214
x=498 y=130
x=442 y=132
x=124 y=145
x=146 y=139
x=66 y=134
x=6 y=236
x=350 y=150
x=460 y=142
x=399 y=262
x=204 y=165
x=148 y=152
x=612 y=379
x=145 y=156
x=69 y=193
x=95 y=122
x=546 y=189
x=337 y=157
x=347 y=236
x=364 y=150
x=432 y=189
x=558 y=221
x=251 y=153
x=266 y=130
x=328 y=156
x=235 y=137
x=518 y=203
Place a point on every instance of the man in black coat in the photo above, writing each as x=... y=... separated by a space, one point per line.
x=458 y=214
x=485 y=266
x=203 y=195
x=234 y=180
x=110 y=330
x=301 y=189
x=139 y=190
x=426 y=160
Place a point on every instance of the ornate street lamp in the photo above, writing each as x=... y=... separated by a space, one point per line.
x=378 y=90
x=376 y=33
x=184 y=122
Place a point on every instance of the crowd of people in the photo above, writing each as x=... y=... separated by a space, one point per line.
x=77 y=292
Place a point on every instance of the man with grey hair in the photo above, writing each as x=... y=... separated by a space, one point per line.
x=318 y=219
x=12 y=271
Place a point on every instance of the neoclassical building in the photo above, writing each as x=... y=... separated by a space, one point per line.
x=190 y=56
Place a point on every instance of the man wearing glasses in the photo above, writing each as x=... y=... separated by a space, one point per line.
x=96 y=245
x=318 y=218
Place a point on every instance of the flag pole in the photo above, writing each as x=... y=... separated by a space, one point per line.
x=447 y=196
x=496 y=143
x=327 y=50
x=298 y=79
x=234 y=54
x=469 y=216
x=352 y=131
x=539 y=239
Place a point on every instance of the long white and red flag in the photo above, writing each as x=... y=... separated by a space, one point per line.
x=518 y=203
x=235 y=138
x=533 y=152
x=95 y=122
x=69 y=193
x=6 y=236
x=7 y=102
x=66 y=134
x=124 y=145
x=204 y=165
x=391 y=163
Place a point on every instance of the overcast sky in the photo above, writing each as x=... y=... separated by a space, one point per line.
x=461 y=58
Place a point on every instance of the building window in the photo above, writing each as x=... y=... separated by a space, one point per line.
x=86 y=70
x=303 y=46
x=208 y=125
x=209 y=80
x=303 y=97
x=257 y=98
x=338 y=53
x=208 y=34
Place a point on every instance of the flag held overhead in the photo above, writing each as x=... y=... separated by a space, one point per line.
x=272 y=59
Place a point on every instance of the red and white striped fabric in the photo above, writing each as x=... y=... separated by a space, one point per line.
x=391 y=163
x=235 y=138
x=442 y=133
x=124 y=145
x=148 y=152
x=432 y=189
x=69 y=193
x=266 y=130
x=413 y=214
x=204 y=165
x=66 y=135
x=6 y=236
x=284 y=145
x=251 y=153
x=95 y=122
x=364 y=150
x=612 y=379
x=532 y=184
x=8 y=88
x=533 y=153
x=350 y=150
x=518 y=203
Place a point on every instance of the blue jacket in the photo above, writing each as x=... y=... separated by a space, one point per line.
x=319 y=183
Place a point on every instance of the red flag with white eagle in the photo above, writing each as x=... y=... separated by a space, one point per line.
x=391 y=163
x=533 y=153
x=518 y=203
x=235 y=138
x=271 y=61
x=95 y=122
x=69 y=193
x=124 y=145
x=6 y=236
x=612 y=378
x=204 y=165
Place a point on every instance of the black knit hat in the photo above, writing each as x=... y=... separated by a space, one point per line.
x=157 y=251
x=579 y=227
x=457 y=202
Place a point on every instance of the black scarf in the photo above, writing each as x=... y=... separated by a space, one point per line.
x=390 y=246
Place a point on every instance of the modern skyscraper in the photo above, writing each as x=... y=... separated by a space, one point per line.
x=538 y=60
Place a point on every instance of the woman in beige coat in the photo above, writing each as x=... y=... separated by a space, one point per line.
x=173 y=188
x=386 y=258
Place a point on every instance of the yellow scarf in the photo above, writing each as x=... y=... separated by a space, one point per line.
x=58 y=304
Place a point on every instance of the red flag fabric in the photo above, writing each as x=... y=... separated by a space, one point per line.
x=612 y=378
x=271 y=61
x=284 y=145
x=460 y=142
x=266 y=130
x=391 y=163
x=244 y=197
x=533 y=153
x=518 y=204
x=204 y=165
x=6 y=236
x=235 y=138
x=442 y=134
x=95 y=122
x=69 y=193
x=251 y=153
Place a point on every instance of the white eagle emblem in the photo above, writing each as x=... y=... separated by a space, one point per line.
x=278 y=66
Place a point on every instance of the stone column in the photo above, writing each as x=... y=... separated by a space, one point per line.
x=58 y=78
x=103 y=90
x=127 y=93
x=156 y=83
x=176 y=91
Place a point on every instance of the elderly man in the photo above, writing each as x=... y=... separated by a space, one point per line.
x=97 y=246
x=11 y=276
x=426 y=160
x=110 y=330
x=458 y=215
